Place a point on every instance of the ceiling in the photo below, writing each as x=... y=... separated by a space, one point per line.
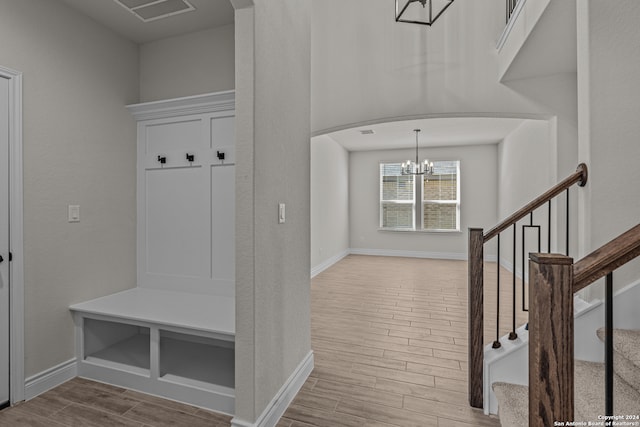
x=207 y=14
x=435 y=132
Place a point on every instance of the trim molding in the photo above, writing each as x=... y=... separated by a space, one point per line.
x=198 y=104
x=241 y=4
x=284 y=397
x=328 y=263
x=50 y=378
x=408 y=254
x=504 y=115
x=16 y=270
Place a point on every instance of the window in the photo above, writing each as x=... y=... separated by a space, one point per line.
x=441 y=197
x=409 y=202
x=397 y=197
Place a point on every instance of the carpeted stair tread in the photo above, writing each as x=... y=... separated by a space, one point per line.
x=589 y=392
x=513 y=404
x=513 y=400
x=626 y=356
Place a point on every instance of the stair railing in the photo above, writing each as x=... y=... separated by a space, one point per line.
x=553 y=280
x=477 y=239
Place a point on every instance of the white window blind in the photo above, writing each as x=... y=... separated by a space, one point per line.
x=397 y=200
x=409 y=202
x=441 y=197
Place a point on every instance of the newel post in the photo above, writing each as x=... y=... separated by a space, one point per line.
x=476 y=313
x=550 y=339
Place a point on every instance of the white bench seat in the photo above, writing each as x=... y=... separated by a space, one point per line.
x=198 y=312
x=175 y=345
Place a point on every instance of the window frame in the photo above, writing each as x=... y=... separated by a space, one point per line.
x=418 y=203
x=382 y=202
x=455 y=202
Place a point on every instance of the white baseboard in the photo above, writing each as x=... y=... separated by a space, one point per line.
x=409 y=254
x=281 y=401
x=328 y=263
x=50 y=378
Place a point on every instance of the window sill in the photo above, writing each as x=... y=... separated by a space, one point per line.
x=412 y=230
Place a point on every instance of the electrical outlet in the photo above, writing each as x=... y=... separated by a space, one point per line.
x=281 y=213
x=74 y=213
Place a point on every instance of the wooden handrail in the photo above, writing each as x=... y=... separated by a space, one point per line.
x=579 y=176
x=607 y=258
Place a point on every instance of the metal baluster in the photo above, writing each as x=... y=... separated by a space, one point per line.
x=567 y=224
x=507 y=14
x=549 y=229
x=496 y=343
x=608 y=353
x=512 y=334
x=539 y=232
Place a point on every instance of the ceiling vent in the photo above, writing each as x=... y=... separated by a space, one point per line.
x=152 y=10
x=367 y=132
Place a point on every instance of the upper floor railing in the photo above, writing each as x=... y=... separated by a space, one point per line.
x=511 y=5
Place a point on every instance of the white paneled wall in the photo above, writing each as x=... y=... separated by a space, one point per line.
x=186 y=196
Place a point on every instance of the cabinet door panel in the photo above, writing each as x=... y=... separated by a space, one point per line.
x=177 y=231
x=164 y=137
x=223 y=223
x=222 y=139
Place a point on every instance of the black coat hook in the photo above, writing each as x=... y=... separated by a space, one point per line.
x=162 y=159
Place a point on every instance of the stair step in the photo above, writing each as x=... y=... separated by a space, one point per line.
x=513 y=400
x=626 y=356
x=513 y=404
x=589 y=392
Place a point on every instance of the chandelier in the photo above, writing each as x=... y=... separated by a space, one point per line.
x=412 y=13
x=417 y=168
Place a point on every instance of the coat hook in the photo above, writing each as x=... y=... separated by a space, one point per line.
x=162 y=159
x=190 y=157
x=220 y=155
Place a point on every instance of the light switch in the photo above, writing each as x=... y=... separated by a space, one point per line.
x=74 y=213
x=281 y=213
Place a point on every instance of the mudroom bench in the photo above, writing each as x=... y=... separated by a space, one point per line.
x=175 y=345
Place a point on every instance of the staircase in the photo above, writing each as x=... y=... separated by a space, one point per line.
x=589 y=386
x=562 y=391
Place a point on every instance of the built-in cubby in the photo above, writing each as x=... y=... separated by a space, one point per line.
x=174 y=334
x=118 y=345
x=188 y=359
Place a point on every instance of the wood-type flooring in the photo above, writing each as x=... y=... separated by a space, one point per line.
x=389 y=337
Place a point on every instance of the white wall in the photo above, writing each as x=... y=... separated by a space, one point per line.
x=608 y=99
x=79 y=148
x=478 y=183
x=329 y=201
x=525 y=166
x=526 y=169
x=273 y=262
x=367 y=67
x=190 y=64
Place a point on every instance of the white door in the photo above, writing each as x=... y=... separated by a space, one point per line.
x=4 y=241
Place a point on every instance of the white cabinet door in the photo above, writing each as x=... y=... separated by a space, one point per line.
x=4 y=241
